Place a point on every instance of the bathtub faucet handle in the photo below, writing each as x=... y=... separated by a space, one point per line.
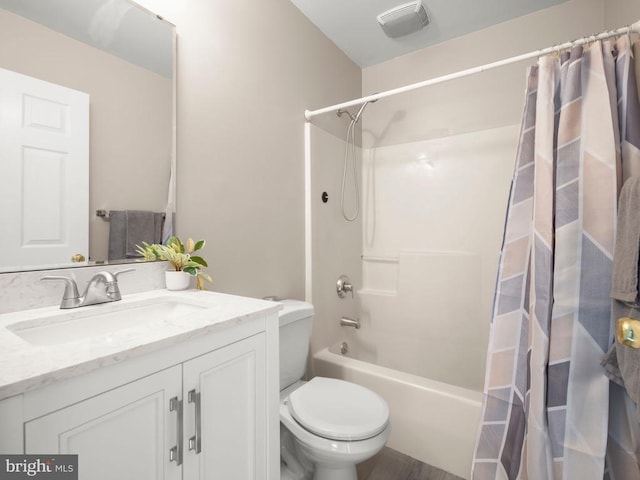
x=343 y=285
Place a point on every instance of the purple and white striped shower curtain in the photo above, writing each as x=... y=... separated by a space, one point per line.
x=546 y=405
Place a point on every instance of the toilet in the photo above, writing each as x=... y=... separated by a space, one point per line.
x=331 y=424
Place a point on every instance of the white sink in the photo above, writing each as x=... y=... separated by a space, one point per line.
x=85 y=322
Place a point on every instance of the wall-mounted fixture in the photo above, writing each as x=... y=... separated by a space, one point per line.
x=343 y=286
x=404 y=19
x=350 y=322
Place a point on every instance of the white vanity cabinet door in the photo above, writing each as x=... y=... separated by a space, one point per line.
x=231 y=384
x=125 y=433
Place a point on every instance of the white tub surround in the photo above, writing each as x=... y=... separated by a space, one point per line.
x=142 y=381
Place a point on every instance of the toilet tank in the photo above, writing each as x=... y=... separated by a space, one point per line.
x=295 y=333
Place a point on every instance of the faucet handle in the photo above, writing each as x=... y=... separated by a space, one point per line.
x=120 y=272
x=343 y=285
x=113 y=291
x=71 y=295
x=70 y=289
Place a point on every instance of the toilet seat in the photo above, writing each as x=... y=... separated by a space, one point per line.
x=338 y=410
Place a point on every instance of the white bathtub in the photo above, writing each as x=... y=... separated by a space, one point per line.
x=431 y=421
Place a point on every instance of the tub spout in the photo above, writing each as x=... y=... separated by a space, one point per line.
x=348 y=322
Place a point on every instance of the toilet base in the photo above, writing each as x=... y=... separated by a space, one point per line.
x=345 y=473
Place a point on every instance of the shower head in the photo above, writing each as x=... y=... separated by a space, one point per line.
x=350 y=152
x=360 y=111
x=362 y=107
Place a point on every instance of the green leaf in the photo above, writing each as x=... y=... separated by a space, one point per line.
x=193 y=271
x=175 y=244
x=147 y=252
x=199 y=260
x=199 y=244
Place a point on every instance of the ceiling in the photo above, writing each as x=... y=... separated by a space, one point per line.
x=352 y=24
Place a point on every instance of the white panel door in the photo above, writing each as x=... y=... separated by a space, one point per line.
x=44 y=160
x=123 y=434
x=225 y=424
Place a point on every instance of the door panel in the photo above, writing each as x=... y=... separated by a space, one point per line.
x=125 y=433
x=44 y=159
x=231 y=383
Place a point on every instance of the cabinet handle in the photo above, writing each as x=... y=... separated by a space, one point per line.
x=175 y=453
x=195 y=442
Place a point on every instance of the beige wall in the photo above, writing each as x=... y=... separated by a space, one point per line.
x=130 y=115
x=246 y=73
x=618 y=13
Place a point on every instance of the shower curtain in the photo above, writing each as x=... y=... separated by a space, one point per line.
x=546 y=403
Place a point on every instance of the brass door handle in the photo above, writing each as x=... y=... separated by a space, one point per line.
x=628 y=332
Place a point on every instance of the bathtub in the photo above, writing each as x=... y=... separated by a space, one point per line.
x=431 y=421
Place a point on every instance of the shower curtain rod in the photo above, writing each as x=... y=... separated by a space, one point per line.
x=633 y=28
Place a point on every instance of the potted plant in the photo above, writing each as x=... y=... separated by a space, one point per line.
x=181 y=259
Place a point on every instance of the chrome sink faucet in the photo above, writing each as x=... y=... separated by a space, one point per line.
x=102 y=288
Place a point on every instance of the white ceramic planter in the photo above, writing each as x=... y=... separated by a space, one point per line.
x=177 y=280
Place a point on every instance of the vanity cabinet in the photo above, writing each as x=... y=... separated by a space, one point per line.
x=204 y=408
x=132 y=432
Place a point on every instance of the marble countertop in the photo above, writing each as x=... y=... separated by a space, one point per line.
x=26 y=365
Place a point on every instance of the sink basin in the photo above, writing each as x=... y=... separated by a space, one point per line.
x=86 y=322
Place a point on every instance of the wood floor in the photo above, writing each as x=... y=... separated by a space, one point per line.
x=392 y=465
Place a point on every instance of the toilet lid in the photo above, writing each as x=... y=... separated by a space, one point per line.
x=338 y=410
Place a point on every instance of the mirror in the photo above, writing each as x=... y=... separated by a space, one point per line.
x=123 y=57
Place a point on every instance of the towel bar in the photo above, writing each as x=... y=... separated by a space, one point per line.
x=104 y=214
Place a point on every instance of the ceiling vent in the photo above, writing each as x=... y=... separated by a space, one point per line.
x=404 y=19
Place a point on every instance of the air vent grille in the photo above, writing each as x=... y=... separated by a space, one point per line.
x=404 y=19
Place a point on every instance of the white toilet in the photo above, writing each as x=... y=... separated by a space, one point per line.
x=334 y=424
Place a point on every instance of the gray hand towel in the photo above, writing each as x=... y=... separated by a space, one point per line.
x=142 y=226
x=129 y=228
x=622 y=363
x=624 y=285
x=117 y=235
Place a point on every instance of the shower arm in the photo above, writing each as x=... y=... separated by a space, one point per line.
x=341 y=112
x=355 y=118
